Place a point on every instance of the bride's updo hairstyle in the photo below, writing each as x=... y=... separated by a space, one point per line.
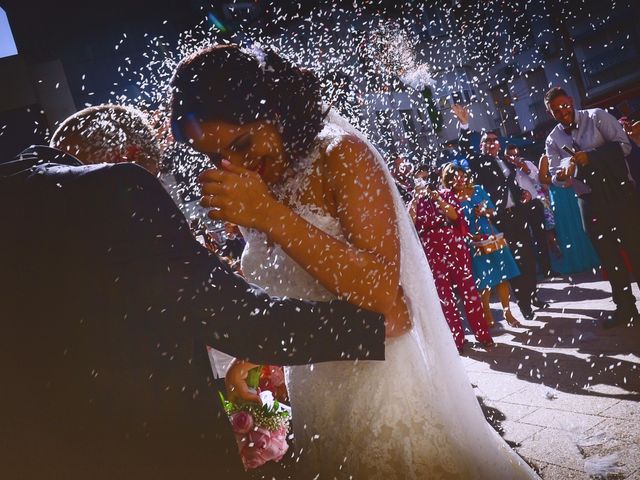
x=238 y=86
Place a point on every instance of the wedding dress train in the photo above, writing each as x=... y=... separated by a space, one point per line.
x=413 y=416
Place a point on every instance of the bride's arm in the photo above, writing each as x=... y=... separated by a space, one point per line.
x=364 y=270
x=369 y=262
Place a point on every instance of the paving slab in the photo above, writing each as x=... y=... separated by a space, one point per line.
x=495 y=387
x=518 y=432
x=627 y=430
x=619 y=458
x=575 y=423
x=625 y=409
x=512 y=411
x=564 y=390
x=634 y=476
x=554 y=446
x=554 y=472
x=547 y=397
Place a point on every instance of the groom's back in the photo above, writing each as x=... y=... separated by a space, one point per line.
x=103 y=377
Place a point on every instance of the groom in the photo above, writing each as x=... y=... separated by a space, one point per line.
x=108 y=303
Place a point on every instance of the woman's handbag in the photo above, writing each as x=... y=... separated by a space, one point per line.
x=490 y=243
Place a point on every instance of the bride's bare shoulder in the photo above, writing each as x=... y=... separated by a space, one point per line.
x=348 y=153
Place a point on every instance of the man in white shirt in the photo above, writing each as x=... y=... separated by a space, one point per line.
x=527 y=178
x=591 y=146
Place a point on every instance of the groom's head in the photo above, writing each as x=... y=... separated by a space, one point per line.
x=109 y=134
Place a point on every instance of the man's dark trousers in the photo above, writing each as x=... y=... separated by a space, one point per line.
x=513 y=223
x=611 y=230
x=535 y=222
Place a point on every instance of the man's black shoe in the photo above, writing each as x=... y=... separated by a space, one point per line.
x=620 y=318
x=527 y=313
x=612 y=321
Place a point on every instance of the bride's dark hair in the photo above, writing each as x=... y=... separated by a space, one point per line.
x=227 y=83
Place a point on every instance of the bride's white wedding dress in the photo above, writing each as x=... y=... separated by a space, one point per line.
x=413 y=416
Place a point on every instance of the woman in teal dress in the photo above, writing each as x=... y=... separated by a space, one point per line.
x=492 y=270
x=576 y=252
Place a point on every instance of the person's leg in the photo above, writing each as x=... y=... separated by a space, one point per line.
x=449 y=307
x=629 y=226
x=536 y=223
x=552 y=243
x=632 y=245
x=504 y=296
x=462 y=278
x=604 y=237
x=486 y=296
x=518 y=237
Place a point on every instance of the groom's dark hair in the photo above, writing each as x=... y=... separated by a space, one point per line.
x=238 y=86
x=554 y=93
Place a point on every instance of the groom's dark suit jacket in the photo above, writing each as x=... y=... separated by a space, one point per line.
x=108 y=302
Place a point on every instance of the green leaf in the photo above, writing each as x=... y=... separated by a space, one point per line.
x=227 y=405
x=253 y=377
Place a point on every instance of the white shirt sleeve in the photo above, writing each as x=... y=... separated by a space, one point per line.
x=556 y=156
x=534 y=173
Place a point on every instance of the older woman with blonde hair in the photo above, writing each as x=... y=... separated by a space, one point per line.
x=442 y=229
x=491 y=269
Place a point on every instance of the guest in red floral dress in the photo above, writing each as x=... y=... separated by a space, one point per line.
x=442 y=229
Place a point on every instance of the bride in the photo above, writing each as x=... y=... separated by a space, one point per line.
x=322 y=220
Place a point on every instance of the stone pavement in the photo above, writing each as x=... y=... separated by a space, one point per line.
x=563 y=391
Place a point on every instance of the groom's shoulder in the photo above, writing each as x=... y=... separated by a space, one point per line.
x=72 y=187
x=43 y=162
x=123 y=175
x=101 y=176
x=125 y=189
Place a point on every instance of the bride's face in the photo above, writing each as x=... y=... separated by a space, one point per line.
x=256 y=146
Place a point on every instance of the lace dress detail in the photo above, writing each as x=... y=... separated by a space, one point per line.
x=366 y=419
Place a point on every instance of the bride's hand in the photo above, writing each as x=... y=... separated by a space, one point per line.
x=236 y=383
x=237 y=195
x=397 y=319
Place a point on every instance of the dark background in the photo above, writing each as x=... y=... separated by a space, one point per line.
x=67 y=56
x=61 y=41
